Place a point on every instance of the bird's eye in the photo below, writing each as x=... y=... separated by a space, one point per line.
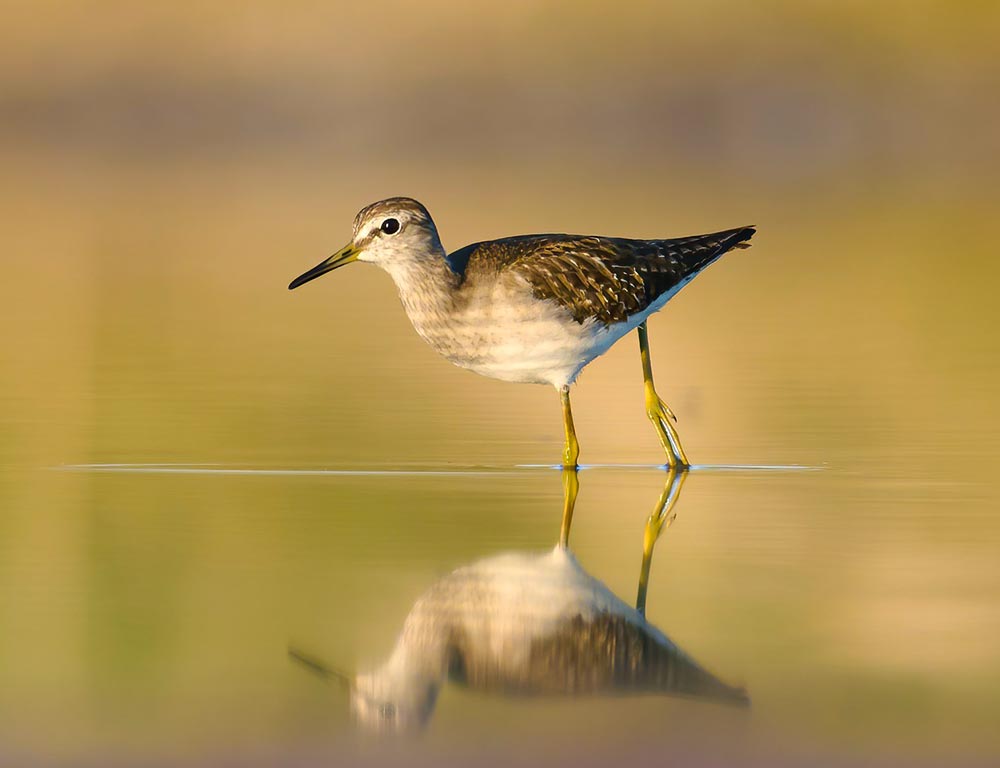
x=390 y=226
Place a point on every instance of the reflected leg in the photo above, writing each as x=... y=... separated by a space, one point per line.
x=658 y=412
x=571 y=451
x=660 y=518
x=571 y=487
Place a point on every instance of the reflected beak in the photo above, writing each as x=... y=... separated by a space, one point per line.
x=345 y=255
x=317 y=667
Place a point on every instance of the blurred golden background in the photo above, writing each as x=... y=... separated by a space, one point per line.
x=168 y=169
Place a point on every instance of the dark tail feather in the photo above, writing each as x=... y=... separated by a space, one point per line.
x=675 y=673
x=698 y=251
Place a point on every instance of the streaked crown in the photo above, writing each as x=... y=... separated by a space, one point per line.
x=392 y=227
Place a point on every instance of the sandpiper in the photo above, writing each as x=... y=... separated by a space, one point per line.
x=523 y=624
x=532 y=308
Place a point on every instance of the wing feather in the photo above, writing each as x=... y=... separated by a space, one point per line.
x=597 y=278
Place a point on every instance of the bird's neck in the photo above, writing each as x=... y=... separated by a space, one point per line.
x=415 y=663
x=410 y=679
x=426 y=285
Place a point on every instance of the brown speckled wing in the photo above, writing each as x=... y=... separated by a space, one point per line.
x=604 y=654
x=602 y=278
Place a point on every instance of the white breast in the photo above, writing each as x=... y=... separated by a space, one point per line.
x=503 y=331
x=503 y=604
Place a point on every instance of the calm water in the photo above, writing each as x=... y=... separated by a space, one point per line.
x=148 y=615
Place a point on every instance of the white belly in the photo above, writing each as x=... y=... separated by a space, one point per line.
x=504 y=604
x=509 y=334
x=542 y=350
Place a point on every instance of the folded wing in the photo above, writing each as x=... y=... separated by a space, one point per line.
x=601 y=278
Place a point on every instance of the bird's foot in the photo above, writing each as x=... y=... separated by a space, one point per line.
x=662 y=418
x=655 y=525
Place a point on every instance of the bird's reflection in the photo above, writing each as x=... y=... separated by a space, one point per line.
x=522 y=623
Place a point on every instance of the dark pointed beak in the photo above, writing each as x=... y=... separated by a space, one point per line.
x=345 y=255
x=317 y=667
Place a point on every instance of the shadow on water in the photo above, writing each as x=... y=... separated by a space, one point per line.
x=522 y=624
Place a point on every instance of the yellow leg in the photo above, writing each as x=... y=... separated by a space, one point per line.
x=662 y=516
x=571 y=452
x=659 y=413
x=571 y=487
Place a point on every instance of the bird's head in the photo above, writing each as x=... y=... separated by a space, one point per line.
x=397 y=698
x=393 y=702
x=391 y=233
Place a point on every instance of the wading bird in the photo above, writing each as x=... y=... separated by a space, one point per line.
x=532 y=308
x=523 y=624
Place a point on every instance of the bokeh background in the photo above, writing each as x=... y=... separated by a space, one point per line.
x=168 y=168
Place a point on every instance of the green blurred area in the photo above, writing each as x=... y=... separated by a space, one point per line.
x=167 y=170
